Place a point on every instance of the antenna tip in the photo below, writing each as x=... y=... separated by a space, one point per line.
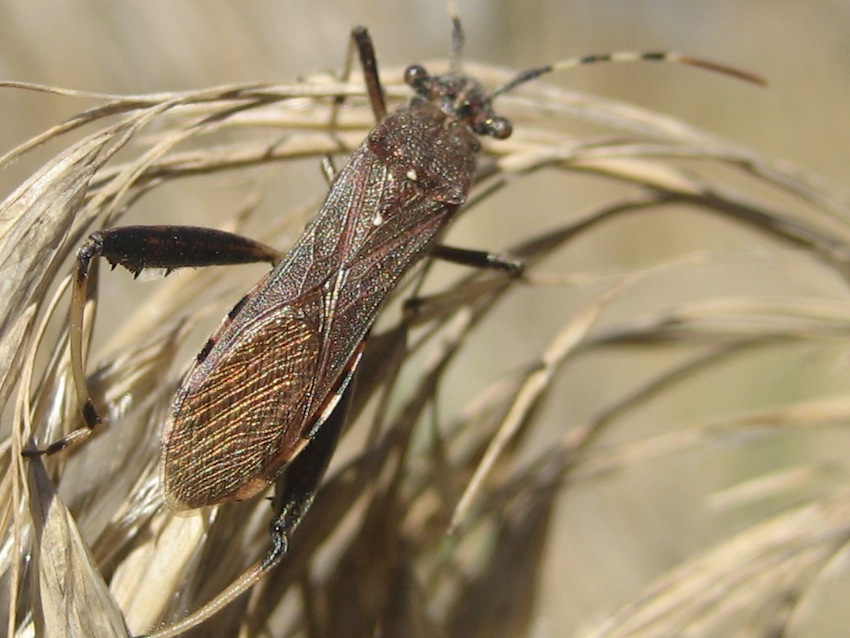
x=746 y=76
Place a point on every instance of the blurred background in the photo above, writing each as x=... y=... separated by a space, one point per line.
x=612 y=537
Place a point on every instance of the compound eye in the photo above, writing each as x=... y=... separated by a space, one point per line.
x=499 y=127
x=415 y=75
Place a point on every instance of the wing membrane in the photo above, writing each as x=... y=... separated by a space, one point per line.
x=238 y=410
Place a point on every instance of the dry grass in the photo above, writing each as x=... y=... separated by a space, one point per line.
x=573 y=412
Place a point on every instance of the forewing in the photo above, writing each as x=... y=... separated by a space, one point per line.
x=238 y=410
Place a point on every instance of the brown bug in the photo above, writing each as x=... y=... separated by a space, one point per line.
x=263 y=396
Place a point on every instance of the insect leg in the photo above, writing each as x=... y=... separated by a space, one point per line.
x=345 y=76
x=362 y=42
x=479 y=259
x=296 y=489
x=366 y=51
x=137 y=248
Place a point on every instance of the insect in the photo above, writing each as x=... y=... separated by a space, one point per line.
x=266 y=393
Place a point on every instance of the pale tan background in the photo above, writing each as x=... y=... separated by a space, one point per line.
x=613 y=538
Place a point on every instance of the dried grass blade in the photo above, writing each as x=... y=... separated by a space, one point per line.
x=750 y=577
x=34 y=221
x=72 y=601
x=531 y=390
